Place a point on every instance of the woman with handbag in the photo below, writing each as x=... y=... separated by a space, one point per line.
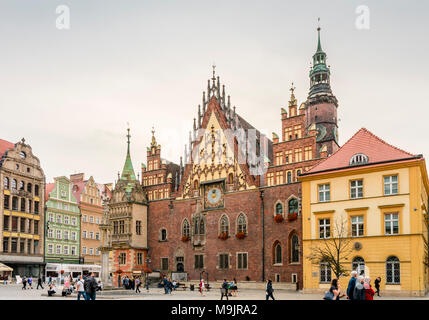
x=334 y=292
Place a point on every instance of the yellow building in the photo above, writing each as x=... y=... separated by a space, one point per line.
x=379 y=194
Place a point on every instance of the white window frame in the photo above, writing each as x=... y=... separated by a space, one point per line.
x=391 y=218
x=355 y=222
x=58 y=247
x=355 y=187
x=50 y=248
x=390 y=184
x=325 y=190
x=326 y=225
x=66 y=250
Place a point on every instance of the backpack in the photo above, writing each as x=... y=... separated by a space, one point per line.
x=328 y=295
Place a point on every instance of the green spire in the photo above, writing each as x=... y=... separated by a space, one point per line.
x=319 y=46
x=128 y=171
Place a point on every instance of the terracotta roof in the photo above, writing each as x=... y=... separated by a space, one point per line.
x=48 y=189
x=4 y=146
x=362 y=142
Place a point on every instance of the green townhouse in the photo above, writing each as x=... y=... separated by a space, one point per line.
x=62 y=243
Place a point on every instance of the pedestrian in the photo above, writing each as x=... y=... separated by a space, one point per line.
x=80 y=288
x=234 y=287
x=90 y=285
x=165 y=283
x=30 y=282
x=170 y=286
x=334 y=292
x=24 y=283
x=377 y=286
x=369 y=291
x=39 y=283
x=138 y=283
x=99 y=286
x=224 y=290
x=202 y=287
x=351 y=286
x=359 y=290
x=269 y=290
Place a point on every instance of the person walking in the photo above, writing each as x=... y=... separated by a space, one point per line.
x=165 y=283
x=39 y=283
x=351 y=286
x=80 y=288
x=359 y=290
x=269 y=290
x=30 y=282
x=90 y=285
x=377 y=286
x=138 y=283
x=234 y=287
x=202 y=287
x=369 y=292
x=224 y=290
x=24 y=283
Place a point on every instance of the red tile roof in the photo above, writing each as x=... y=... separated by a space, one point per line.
x=365 y=142
x=4 y=146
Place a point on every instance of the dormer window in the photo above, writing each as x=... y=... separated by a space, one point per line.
x=359 y=158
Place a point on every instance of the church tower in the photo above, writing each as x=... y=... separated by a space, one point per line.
x=321 y=105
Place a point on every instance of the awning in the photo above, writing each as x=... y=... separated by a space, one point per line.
x=4 y=267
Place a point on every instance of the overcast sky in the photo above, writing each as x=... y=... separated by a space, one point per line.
x=70 y=93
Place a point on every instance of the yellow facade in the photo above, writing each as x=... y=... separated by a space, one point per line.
x=408 y=245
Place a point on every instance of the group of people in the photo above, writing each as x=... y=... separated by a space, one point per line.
x=228 y=289
x=133 y=283
x=359 y=288
x=29 y=281
x=85 y=286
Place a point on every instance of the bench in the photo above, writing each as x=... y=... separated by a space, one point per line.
x=181 y=286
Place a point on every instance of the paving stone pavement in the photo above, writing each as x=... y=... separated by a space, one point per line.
x=14 y=292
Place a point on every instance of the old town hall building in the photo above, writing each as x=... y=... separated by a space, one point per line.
x=232 y=207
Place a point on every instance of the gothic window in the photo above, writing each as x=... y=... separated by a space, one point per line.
x=6 y=183
x=393 y=271
x=224 y=225
x=199 y=227
x=279 y=208
x=185 y=228
x=163 y=235
x=358 y=264
x=293 y=206
x=196 y=185
x=241 y=223
x=294 y=248
x=277 y=253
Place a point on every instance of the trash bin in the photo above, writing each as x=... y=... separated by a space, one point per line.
x=191 y=287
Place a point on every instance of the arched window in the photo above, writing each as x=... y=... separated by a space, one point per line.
x=294 y=249
x=163 y=235
x=224 y=225
x=14 y=184
x=279 y=208
x=293 y=206
x=6 y=183
x=278 y=253
x=241 y=223
x=21 y=185
x=196 y=185
x=36 y=190
x=185 y=228
x=359 y=158
x=199 y=226
x=358 y=264
x=289 y=177
x=202 y=226
x=29 y=187
x=393 y=270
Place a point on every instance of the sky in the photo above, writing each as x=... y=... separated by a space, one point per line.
x=71 y=92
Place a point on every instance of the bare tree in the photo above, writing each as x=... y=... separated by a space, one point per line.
x=426 y=242
x=334 y=250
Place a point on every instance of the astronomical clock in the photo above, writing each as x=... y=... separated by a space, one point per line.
x=214 y=195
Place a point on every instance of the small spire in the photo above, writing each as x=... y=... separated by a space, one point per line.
x=214 y=71
x=319 y=46
x=292 y=101
x=153 y=143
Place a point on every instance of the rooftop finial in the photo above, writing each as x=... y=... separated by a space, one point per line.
x=128 y=136
x=153 y=143
x=214 y=70
x=319 y=46
x=292 y=101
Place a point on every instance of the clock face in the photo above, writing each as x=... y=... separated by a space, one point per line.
x=213 y=196
x=321 y=132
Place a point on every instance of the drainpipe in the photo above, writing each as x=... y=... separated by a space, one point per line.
x=261 y=195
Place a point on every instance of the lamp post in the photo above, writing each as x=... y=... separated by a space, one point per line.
x=119 y=269
x=146 y=273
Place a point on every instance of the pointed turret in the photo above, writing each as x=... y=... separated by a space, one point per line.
x=128 y=171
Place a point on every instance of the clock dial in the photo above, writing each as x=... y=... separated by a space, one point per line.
x=321 y=132
x=213 y=196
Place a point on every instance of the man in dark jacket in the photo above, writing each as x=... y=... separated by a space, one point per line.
x=351 y=286
x=90 y=286
x=269 y=290
x=224 y=290
x=359 y=291
x=377 y=285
